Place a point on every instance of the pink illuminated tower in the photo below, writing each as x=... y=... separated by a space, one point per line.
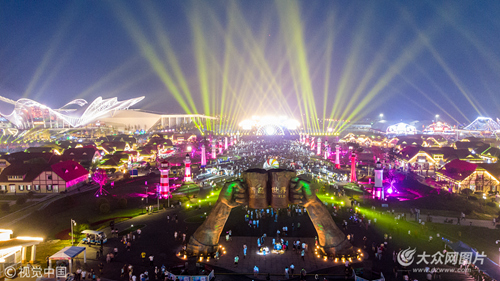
x=353 y=167
x=337 y=156
x=378 y=189
x=307 y=140
x=214 y=153
x=225 y=143
x=313 y=143
x=319 y=147
x=203 y=156
x=187 y=169
x=164 y=168
x=220 y=146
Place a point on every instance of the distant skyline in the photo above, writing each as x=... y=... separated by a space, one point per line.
x=309 y=59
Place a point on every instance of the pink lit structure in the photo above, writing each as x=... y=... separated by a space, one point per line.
x=187 y=169
x=378 y=189
x=337 y=157
x=203 y=156
x=353 y=167
x=214 y=153
x=164 y=187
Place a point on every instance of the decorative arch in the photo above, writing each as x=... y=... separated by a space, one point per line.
x=270 y=129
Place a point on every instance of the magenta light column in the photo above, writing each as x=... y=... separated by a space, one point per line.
x=187 y=169
x=353 y=167
x=214 y=153
x=337 y=157
x=379 y=181
x=164 y=168
x=203 y=156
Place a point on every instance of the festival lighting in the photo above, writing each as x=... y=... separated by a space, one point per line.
x=23 y=111
x=269 y=125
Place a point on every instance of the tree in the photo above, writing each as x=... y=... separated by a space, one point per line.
x=101 y=178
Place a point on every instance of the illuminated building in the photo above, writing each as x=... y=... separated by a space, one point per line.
x=484 y=124
x=28 y=113
x=42 y=178
x=439 y=128
x=400 y=129
x=13 y=250
x=480 y=177
x=269 y=125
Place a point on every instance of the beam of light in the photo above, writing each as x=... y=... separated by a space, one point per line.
x=150 y=54
x=406 y=56
x=51 y=52
x=294 y=40
x=256 y=51
x=328 y=63
x=441 y=91
x=116 y=73
x=348 y=72
x=173 y=62
x=429 y=98
x=426 y=40
x=200 y=44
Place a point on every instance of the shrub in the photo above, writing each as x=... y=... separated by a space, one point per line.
x=5 y=207
x=30 y=194
x=101 y=201
x=126 y=175
x=122 y=203
x=491 y=204
x=104 y=208
x=21 y=200
x=472 y=198
x=466 y=191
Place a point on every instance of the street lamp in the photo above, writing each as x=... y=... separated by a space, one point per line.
x=381 y=115
x=73 y=222
x=437 y=116
x=146 y=194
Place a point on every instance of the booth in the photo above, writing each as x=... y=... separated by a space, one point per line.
x=67 y=254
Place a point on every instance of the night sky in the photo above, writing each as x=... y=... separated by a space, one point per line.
x=406 y=59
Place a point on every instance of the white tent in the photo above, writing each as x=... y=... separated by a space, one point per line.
x=69 y=253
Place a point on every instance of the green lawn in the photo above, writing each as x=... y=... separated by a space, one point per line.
x=480 y=238
x=49 y=248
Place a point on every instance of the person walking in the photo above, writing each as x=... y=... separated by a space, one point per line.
x=286 y=273
x=244 y=251
x=255 y=271
x=292 y=267
x=236 y=260
x=302 y=254
x=151 y=258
